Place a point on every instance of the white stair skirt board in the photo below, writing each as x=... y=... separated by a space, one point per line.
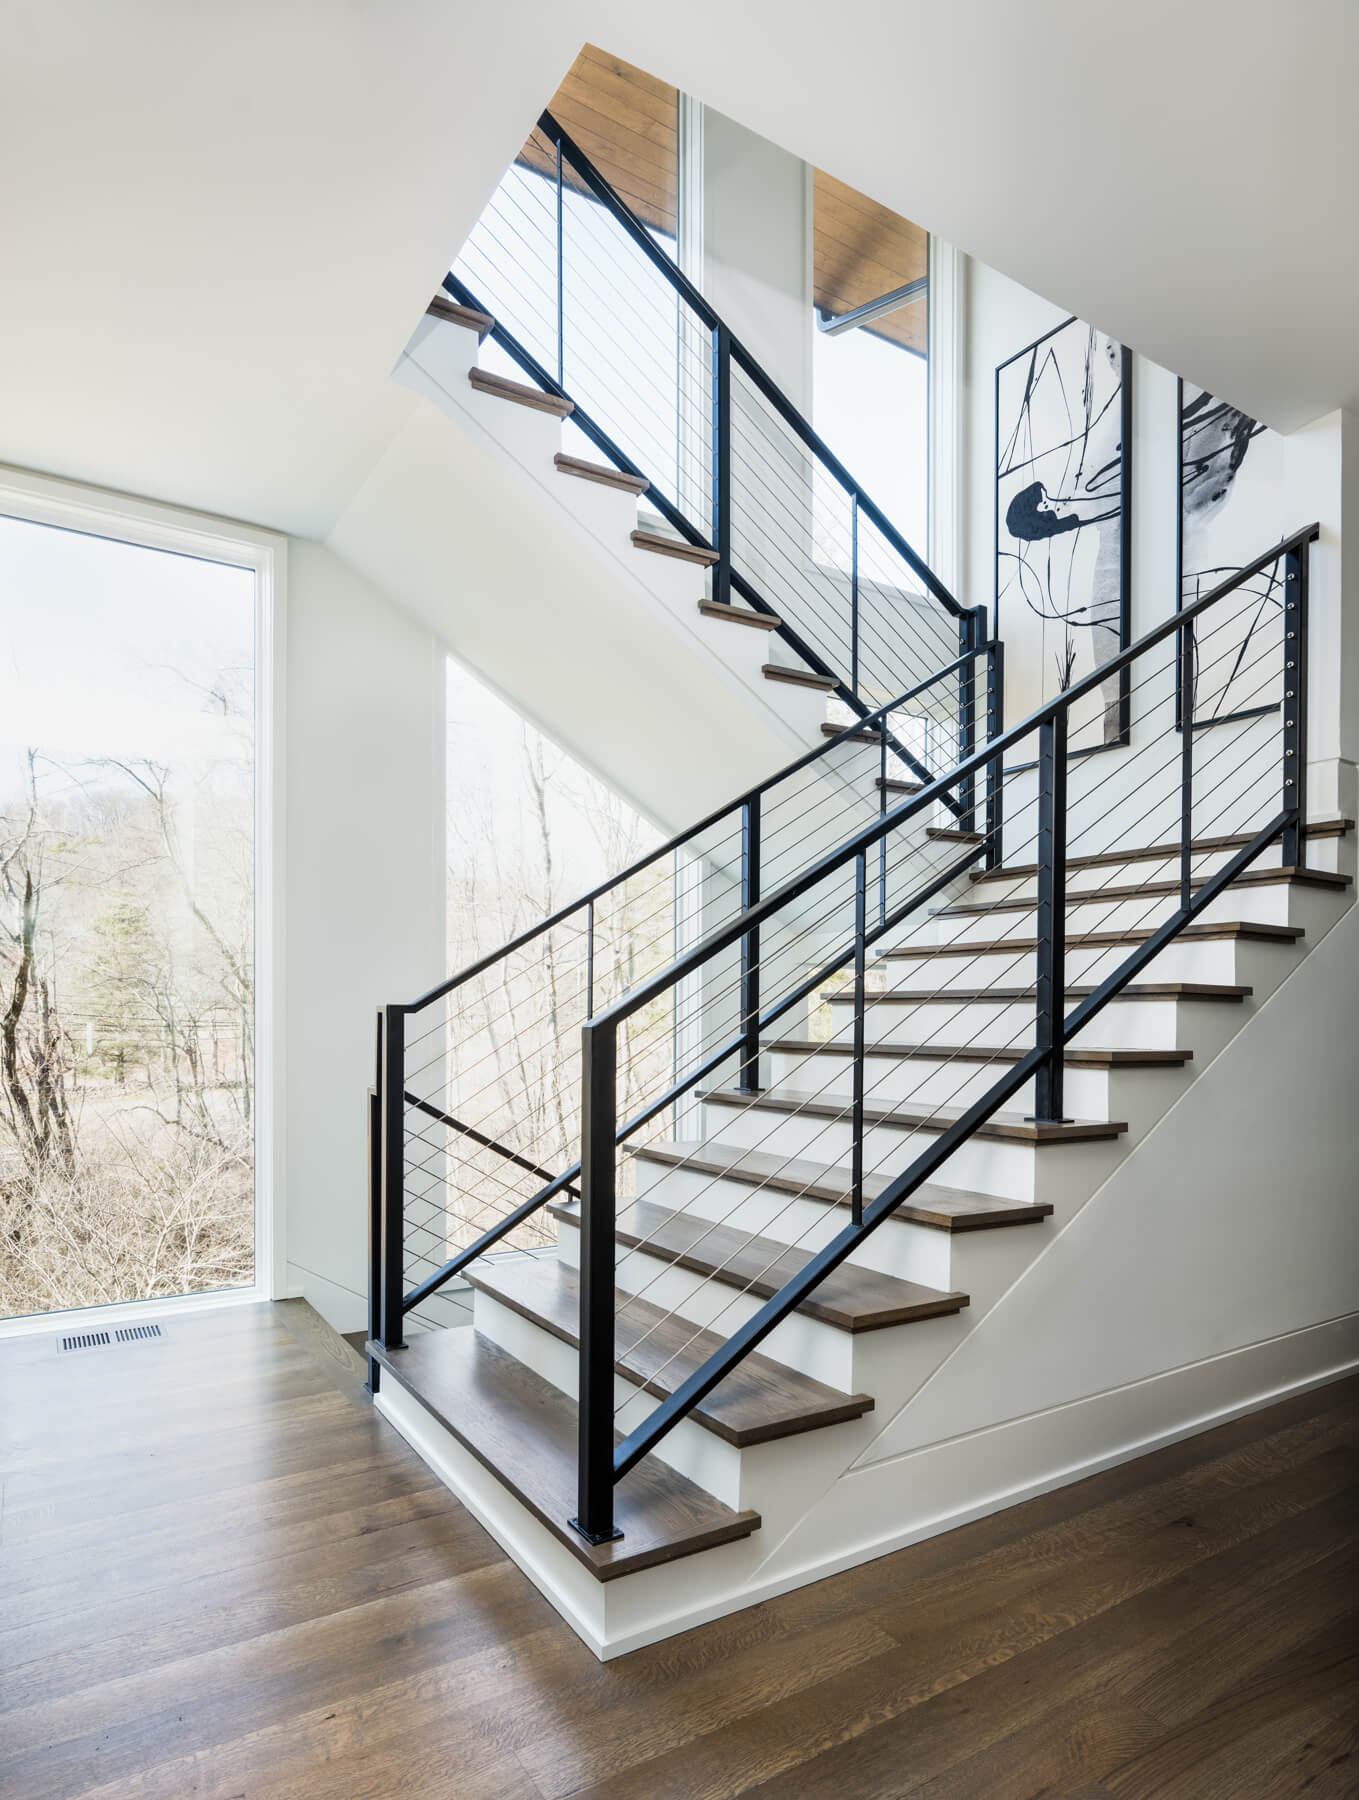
x=874 y=1511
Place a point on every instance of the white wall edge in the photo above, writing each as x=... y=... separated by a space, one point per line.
x=133 y=1312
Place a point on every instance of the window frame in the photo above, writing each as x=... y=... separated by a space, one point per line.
x=156 y=525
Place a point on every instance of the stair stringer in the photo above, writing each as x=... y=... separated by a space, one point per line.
x=1212 y=1272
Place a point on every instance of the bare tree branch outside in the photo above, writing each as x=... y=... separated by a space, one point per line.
x=127 y=1002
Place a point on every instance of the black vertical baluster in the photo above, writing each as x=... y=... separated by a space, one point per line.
x=1185 y=708
x=721 y=463
x=1295 y=708
x=882 y=808
x=971 y=637
x=854 y=593
x=598 y=1196
x=1050 y=1020
x=590 y=959
x=393 y=1175
x=561 y=300
x=856 y=1195
x=995 y=772
x=375 y=1213
x=749 y=1079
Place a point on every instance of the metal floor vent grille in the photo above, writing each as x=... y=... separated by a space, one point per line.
x=104 y=1340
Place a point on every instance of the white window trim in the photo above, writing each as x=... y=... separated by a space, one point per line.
x=98 y=512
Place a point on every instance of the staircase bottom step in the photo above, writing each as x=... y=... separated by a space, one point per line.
x=523 y=1429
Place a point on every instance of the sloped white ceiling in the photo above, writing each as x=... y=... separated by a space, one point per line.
x=219 y=224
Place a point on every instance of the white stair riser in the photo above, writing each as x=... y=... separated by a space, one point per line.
x=979 y=1263
x=1217 y=961
x=1325 y=853
x=933 y=1081
x=997 y=1166
x=1123 y=1024
x=1263 y=905
x=804 y=1343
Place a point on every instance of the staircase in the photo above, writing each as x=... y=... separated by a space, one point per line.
x=795 y=1103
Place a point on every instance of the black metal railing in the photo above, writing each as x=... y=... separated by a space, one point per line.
x=590 y=305
x=796 y=934
x=479 y=1079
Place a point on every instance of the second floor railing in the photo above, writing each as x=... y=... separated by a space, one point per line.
x=591 y=306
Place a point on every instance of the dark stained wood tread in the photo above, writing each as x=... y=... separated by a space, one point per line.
x=1095 y=940
x=1135 y=990
x=739 y=615
x=954 y=837
x=500 y=387
x=1151 y=890
x=1076 y=1057
x=467 y=316
x=807 y=678
x=941 y=1208
x=1009 y=1127
x=850 y=735
x=759 y=1401
x=897 y=787
x=668 y=546
x=600 y=473
x=523 y=1429
x=850 y=1298
x=1319 y=828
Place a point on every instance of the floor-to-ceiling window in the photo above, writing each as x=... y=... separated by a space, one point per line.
x=128 y=1039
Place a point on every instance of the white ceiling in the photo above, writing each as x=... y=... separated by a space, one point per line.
x=219 y=224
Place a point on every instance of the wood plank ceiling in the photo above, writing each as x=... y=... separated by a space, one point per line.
x=628 y=123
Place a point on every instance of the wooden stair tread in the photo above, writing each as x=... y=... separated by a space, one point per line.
x=599 y=472
x=668 y=546
x=942 y=1208
x=758 y=1401
x=897 y=787
x=1094 y=940
x=851 y=736
x=1151 y=890
x=440 y=307
x=1078 y=1056
x=1010 y=1127
x=1319 y=828
x=850 y=1298
x=954 y=837
x=523 y=1429
x=739 y=615
x=798 y=677
x=1135 y=990
x=500 y=387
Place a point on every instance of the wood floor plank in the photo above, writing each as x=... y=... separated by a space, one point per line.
x=304 y=1613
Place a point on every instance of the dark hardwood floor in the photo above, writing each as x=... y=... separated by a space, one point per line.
x=222 y=1575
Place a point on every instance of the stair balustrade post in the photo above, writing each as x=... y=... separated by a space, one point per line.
x=598 y=1206
x=1050 y=1009
x=374 y=1111
x=393 y=1155
x=854 y=594
x=748 y=1079
x=721 y=463
x=561 y=283
x=995 y=771
x=856 y=1194
x=971 y=638
x=1185 y=708
x=1295 y=707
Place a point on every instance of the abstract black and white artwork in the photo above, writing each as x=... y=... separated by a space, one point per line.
x=1063 y=495
x=1231 y=510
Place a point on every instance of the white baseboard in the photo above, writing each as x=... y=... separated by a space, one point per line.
x=923 y=1493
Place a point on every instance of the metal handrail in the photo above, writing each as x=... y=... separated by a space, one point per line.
x=608 y=197
x=602 y=1463
x=731 y=807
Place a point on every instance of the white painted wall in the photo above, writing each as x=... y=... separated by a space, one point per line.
x=364 y=907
